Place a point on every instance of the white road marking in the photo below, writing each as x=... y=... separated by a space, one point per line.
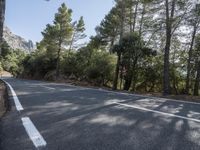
x=156 y=98
x=181 y=101
x=50 y=88
x=33 y=133
x=159 y=112
x=16 y=100
x=129 y=94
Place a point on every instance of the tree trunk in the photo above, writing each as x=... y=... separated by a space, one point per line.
x=135 y=16
x=129 y=73
x=71 y=42
x=169 y=19
x=196 y=85
x=142 y=19
x=128 y=81
x=166 y=79
x=187 y=88
x=115 y=82
x=129 y=76
x=131 y=17
x=58 y=62
x=174 y=73
x=134 y=79
x=2 y=18
x=112 y=44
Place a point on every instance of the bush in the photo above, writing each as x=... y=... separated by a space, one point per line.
x=101 y=69
x=91 y=65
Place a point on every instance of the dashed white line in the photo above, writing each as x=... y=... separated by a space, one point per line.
x=159 y=112
x=16 y=100
x=33 y=133
x=50 y=88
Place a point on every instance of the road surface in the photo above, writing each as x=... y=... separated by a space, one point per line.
x=50 y=116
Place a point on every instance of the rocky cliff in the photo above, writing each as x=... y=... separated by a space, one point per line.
x=17 y=42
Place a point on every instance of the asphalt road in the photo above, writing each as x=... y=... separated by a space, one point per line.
x=77 y=118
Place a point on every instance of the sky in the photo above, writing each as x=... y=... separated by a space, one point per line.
x=28 y=18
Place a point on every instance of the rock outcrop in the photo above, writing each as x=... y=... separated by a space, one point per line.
x=17 y=42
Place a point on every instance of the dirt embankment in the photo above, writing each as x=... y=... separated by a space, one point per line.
x=3 y=99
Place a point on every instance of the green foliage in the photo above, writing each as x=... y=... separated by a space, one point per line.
x=197 y=65
x=60 y=32
x=62 y=23
x=38 y=64
x=101 y=68
x=78 y=34
x=91 y=65
x=58 y=35
x=11 y=60
x=109 y=27
x=5 y=49
x=133 y=53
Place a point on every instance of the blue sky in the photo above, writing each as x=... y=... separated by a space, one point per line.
x=28 y=18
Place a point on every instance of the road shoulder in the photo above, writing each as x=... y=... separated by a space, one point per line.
x=4 y=103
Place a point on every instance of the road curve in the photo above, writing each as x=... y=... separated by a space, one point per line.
x=65 y=117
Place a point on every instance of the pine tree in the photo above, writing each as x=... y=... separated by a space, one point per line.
x=194 y=21
x=175 y=12
x=119 y=52
x=78 y=33
x=197 y=59
x=59 y=34
x=109 y=29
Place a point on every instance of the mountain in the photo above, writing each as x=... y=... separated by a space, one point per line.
x=17 y=42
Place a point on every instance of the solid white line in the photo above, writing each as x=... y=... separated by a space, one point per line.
x=180 y=101
x=156 y=98
x=130 y=94
x=33 y=133
x=155 y=111
x=16 y=100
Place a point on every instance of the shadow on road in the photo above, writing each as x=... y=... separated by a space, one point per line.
x=83 y=119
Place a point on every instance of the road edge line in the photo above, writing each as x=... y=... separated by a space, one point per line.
x=18 y=105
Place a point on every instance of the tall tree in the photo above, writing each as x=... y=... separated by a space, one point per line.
x=59 y=33
x=133 y=50
x=122 y=16
x=194 y=23
x=169 y=20
x=175 y=13
x=135 y=14
x=197 y=57
x=144 y=11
